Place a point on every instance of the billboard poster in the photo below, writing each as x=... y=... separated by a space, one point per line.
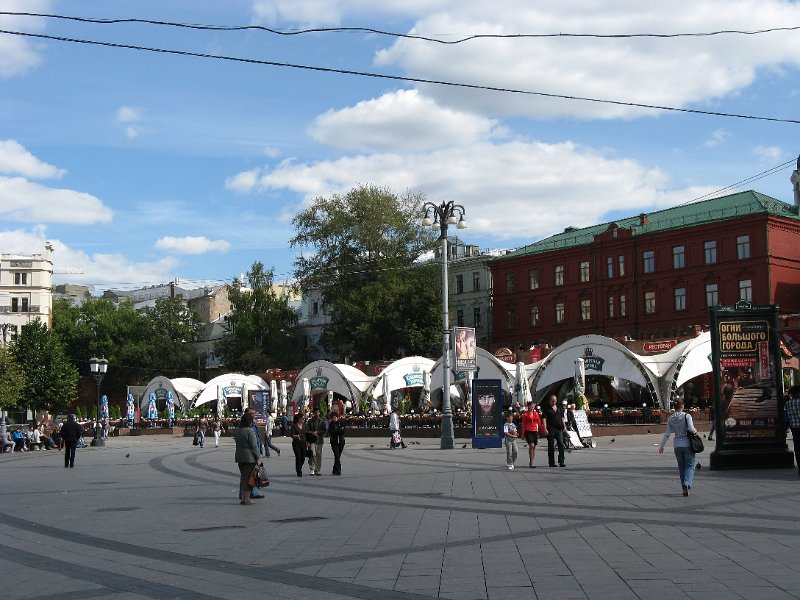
x=466 y=350
x=748 y=387
x=487 y=413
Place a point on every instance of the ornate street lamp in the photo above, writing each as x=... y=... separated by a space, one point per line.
x=447 y=213
x=98 y=367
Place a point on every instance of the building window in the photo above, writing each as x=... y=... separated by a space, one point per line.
x=476 y=281
x=561 y=315
x=611 y=306
x=743 y=246
x=584 y=271
x=746 y=290
x=19 y=305
x=678 y=257
x=610 y=266
x=20 y=279
x=560 y=275
x=586 y=310
x=712 y=295
x=511 y=319
x=476 y=317
x=649 y=261
x=649 y=303
x=533 y=279
x=710 y=249
x=622 y=310
x=511 y=282
x=534 y=316
x=680 y=298
x=315 y=309
x=460 y=317
x=459 y=284
x=621 y=265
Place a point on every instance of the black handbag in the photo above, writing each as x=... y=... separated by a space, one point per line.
x=695 y=441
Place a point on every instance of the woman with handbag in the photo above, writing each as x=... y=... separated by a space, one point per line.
x=680 y=423
x=248 y=455
x=299 y=442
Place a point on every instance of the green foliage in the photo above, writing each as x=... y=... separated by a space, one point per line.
x=363 y=247
x=115 y=412
x=50 y=378
x=12 y=381
x=263 y=331
x=404 y=405
x=323 y=409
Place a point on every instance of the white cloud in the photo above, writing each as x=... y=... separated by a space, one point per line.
x=192 y=245
x=541 y=187
x=25 y=201
x=400 y=120
x=19 y=54
x=100 y=270
x=128 y=114
x=243 y=182
x=16 y=160
x=768 y=154
x=687 y=71
x=718 y=137
x=132 y=132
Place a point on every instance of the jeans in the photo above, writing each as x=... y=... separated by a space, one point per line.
x=268 y=445
x=685 y=458
x=299 y=449
x=511 y=451
x=553 y=438
x=201 y=436
x=336 y=448
x=69 y=452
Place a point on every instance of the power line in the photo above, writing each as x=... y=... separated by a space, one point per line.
x=738 y=184
x=470 y=86
x=371 y=30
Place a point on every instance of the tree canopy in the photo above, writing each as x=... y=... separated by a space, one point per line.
x=12 y=381
x=363 y=247
x=263 y=330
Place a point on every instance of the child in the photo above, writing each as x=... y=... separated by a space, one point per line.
x=510 y=440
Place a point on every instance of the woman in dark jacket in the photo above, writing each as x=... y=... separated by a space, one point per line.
x=299 y=442
x=248 y=454
x=336 y=435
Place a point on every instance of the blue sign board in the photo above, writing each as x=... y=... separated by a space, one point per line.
x=487 y=413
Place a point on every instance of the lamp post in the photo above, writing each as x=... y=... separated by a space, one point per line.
x=445 y=214
x=98 y=367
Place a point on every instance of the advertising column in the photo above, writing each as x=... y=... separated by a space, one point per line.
x=487 y=413
x=748 y=387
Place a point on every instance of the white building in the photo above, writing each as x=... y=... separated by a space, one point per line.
x=26 y=291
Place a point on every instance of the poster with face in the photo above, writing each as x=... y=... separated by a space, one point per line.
x=465 y=348
x=487 y=413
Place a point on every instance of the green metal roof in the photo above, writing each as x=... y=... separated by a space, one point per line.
x=733 y=206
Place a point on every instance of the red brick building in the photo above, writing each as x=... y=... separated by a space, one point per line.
x=652 y=276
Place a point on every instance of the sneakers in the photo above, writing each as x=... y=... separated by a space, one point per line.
x=510 y=467
x=711 y=438
x=312 y=471
x=685 y=489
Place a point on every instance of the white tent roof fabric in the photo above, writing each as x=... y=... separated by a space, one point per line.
x=404 y=373
x=489 y=367
x=211 y=389
x=344 y=380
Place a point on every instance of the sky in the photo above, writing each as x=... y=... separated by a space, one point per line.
x=142 y=167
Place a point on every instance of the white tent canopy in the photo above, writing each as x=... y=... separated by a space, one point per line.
x=407 y=372
x=325 y=376
x=687 y=360
x=160 y=385
x=211 y=392
x=602 y=356
x=489 y=367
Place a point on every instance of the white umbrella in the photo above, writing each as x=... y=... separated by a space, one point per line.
x=306 y=393
x=273 y=395
x=580 y=376
x=521 y=392
x=425 y=396
x=283 y=394
x=387 y=396
x=330 y=401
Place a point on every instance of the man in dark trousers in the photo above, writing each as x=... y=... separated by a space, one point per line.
x=792 y=409
x=554 y=419
x=71 y=432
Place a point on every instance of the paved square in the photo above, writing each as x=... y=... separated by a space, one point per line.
x=159 y=518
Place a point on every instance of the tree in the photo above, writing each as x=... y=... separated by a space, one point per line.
x=365 y=247
x=262 y=326
x=50 y=378
x=12 y=380
x=171 y=325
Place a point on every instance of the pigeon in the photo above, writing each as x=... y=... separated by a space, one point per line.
x=372 y=445
x=464 y=446
x=128 y=455
x=648 y=431
x=612 y=440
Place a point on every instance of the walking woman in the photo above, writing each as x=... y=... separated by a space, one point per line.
x=299 y=442
x=336 y=435
x=679 y=423
x=531 y=425
x=248 y=454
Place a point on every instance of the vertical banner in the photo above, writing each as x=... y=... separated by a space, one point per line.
x=748 y=386
x=487 y=413
x=465 y=349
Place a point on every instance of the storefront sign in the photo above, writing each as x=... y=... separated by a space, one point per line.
x=487 y=413
x=505 y=354
x=661 y=346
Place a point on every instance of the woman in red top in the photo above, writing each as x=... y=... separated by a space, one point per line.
x=531 y=425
